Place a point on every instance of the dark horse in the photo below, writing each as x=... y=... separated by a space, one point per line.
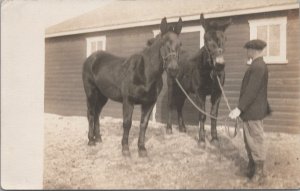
x=136 y=80
x=198 y=75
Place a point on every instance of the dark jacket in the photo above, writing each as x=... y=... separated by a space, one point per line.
x=253 y=101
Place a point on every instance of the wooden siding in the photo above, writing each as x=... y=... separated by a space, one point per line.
x=63 y=84
x=64 y=57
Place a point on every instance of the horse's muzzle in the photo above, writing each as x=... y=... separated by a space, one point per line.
x=173 y=72
x=220 y=59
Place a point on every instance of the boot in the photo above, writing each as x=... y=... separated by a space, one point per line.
x=250 y=168
x=259 y=176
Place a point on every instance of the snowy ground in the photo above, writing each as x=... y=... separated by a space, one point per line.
x=173 y=162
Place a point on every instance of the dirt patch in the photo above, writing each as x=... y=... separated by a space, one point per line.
x=173 y=162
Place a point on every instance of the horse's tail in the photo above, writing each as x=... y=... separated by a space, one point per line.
x=87 y=69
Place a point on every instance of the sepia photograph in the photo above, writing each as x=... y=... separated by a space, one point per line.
x=150 y=94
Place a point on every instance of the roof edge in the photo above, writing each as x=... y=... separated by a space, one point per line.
x=174 y=19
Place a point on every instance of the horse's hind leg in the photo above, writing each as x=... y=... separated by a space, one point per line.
x=101 y=100
x=95 y=102
x=91 y=98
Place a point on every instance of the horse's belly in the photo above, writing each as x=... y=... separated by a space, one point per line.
x=138 y=96
x=143 y=100
x=110 y=91
x=113 y=94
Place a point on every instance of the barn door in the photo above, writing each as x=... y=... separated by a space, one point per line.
x=192 y=40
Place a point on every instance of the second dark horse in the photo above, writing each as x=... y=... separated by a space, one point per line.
x=136 y=80
x=198 y=75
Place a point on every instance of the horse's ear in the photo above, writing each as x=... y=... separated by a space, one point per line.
x=178 y=26
x=202 y=21
x=163 y=26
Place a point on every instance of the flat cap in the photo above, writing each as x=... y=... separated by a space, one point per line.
x=255 y=44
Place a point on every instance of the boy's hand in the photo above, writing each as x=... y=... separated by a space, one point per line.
x=235 y=113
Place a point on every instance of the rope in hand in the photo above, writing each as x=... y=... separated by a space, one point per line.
x=236 y=129
x=225 y=118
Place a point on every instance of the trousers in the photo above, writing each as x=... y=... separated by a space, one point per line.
x=254 y=140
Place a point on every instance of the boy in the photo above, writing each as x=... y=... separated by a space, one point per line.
x=253 y=107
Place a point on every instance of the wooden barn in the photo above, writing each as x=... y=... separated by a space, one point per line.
x=123 y=28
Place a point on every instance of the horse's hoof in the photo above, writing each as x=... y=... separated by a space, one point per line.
x=182 y=129
x=214 y=142
x=169 y=131
x=91 y=143
x=98 y=139
x=126 y=153
x=143 y=153
x=201 y=144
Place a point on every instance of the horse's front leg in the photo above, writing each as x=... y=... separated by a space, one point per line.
x=170 y=83
x=127 y=121
x=215 y=101
x=179 y=105
x=146 y=112
x=202 y=118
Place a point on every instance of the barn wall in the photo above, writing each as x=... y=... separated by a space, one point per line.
x=63 y=85
x=64 y=57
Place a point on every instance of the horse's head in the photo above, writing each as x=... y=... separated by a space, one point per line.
x=170 y=45
x=214 y=38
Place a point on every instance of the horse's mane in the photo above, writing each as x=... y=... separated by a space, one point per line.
x=150 y=42
x=153 y=40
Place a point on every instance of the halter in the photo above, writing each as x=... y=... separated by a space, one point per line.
x=212 y=63
x=210 y=57
x=166 y=57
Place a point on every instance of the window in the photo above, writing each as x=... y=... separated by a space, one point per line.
x=273 y=31
x=95 y=43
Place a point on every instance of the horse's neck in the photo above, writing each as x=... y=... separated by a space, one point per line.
x=206 y=62
x=153 y=58
x=204 y=59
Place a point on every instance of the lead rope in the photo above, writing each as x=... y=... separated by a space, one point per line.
x=225 y=118
x=228 y=106
x=236 y=129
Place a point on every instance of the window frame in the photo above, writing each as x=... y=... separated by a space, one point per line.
x=282 y=22
x=90 y=40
